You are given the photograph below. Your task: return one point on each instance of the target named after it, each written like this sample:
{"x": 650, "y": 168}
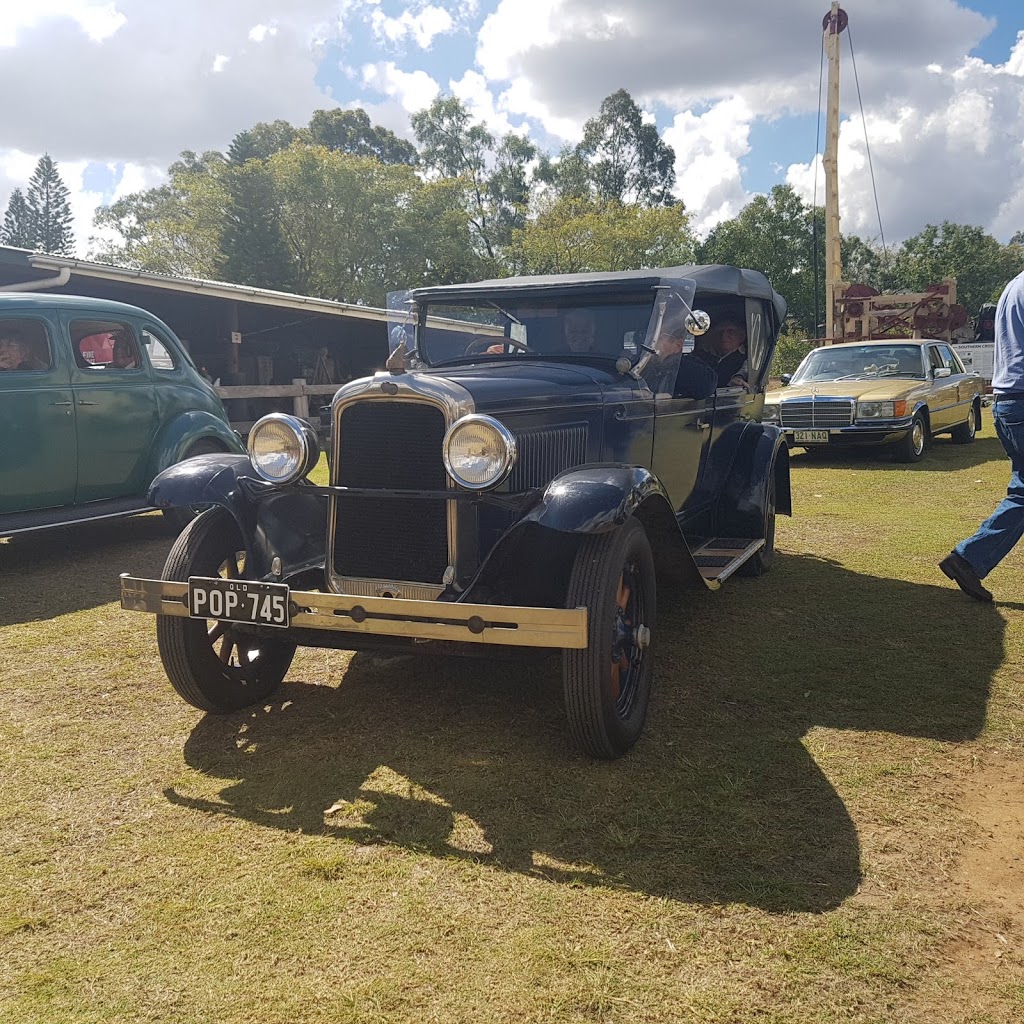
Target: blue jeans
{"x": 1001, "y": 531}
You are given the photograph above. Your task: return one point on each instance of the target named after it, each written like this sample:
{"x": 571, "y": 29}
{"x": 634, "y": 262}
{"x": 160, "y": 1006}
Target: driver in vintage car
{"x": 539, "y": 457}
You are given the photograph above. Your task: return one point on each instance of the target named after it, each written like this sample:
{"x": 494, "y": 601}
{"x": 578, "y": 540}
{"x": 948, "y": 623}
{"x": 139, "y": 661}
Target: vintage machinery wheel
{"x": 178, "y": 518}
{"x": 607, "y": 685}
{"x": 914, "y": 443}
{"x": 765, "y": 558}
{"x": 964, "y": 433}
{"x": 216, "y": 666}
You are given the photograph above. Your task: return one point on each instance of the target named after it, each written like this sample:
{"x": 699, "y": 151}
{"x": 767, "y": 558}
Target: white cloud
{"x": 472, "y": 89}
{"x": 98, "y": 19}
{"x": 423, "y": 25}
{"x": 414, "y": 90}
{"x": 260, "y": 32}
{"x": 709, "y": 148}
{"x": 949, "y": 151}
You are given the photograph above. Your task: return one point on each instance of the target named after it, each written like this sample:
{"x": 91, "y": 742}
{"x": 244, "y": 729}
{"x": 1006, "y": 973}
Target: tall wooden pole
{"x": 834, "y": 23}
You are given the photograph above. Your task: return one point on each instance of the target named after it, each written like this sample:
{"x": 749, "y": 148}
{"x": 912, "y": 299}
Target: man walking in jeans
{"x": 973, "y": 559}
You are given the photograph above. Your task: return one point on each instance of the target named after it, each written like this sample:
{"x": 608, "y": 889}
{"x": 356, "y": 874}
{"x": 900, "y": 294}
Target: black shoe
{"x": 962, "y": 573}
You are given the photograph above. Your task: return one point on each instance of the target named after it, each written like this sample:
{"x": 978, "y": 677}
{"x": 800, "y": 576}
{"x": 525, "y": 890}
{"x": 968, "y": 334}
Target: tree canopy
{"x": 345, "y": 208}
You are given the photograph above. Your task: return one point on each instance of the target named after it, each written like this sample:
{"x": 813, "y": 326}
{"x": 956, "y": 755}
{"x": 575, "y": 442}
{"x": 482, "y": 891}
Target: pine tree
{"x": 18, "y": 227}
{"x": 254, "y": 248}
{"x": 50, "y": 211}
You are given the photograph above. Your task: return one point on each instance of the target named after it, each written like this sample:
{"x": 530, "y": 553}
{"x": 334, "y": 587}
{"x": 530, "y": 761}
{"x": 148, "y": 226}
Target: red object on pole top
{"x": 835, "y": 26}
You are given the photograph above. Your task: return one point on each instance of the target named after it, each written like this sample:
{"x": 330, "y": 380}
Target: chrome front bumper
{"x": 383, "y": 616}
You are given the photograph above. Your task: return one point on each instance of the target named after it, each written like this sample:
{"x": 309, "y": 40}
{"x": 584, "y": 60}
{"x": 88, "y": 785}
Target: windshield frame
{"x": 636, "y": 312}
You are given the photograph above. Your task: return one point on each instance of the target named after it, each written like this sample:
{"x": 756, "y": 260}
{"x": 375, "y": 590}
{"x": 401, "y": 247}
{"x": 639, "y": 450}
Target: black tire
{"x": 965, "y": 433}
{"x": 178, "y": 518}
{"x": 607, "y": 685}
{"x": 763, "y": 560}
{"x": 912, "y": 446}
{"x": 244, "y": 669}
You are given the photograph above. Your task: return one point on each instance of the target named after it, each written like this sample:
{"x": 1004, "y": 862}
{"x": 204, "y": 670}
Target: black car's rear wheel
{"x": 216, "y": 666}
{"x": 607, "y": 684}
{"x": 763, "y": 559}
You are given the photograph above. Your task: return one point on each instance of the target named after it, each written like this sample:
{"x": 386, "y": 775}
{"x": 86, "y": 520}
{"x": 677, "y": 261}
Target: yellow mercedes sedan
{"x": 898, "y": 393}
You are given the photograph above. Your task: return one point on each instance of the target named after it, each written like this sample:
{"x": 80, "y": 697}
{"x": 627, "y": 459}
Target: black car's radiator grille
{"x": 544, "y": 454}
{"x": 807, "y": 412}
{"x": 391, "y": 445}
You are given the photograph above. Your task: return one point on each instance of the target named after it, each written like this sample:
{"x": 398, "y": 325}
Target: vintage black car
{"x": 539, "y": 454}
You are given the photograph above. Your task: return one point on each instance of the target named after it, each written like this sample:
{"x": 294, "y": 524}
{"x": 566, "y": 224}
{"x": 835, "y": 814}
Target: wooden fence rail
{"x": 298, "y": 391}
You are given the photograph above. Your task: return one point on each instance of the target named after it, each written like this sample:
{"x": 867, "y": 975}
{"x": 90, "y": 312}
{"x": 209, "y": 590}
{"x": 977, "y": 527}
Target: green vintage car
{"x": 96, "y": 398}
{"x": 897, "y": 394}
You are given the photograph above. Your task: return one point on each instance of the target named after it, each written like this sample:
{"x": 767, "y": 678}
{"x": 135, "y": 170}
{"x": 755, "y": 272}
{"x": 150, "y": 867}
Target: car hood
{"x": 529, "y": 385}
{"x": 864, "y": 390}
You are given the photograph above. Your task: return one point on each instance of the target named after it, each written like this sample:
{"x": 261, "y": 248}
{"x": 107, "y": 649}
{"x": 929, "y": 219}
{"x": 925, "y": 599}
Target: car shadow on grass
{"x": 943, "y": 454}
{"x": 69, "y": 569}
{"x": 721, "y": 801}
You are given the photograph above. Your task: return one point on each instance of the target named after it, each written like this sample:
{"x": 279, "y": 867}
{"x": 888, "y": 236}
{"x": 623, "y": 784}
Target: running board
{"x": 717, "y": 559}
{"x": 12, "y": 523}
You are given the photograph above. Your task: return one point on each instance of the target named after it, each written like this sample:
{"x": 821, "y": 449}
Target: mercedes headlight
{"x": 770, "y": 413}
{"x": 479, "y": 452}
{"x": 875, "y": 411}
{"x": 283, "y": 448}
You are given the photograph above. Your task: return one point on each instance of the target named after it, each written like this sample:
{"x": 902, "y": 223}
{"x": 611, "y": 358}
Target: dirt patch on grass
{"x": 982, "y": 978}
{"x": 993, "y": 868}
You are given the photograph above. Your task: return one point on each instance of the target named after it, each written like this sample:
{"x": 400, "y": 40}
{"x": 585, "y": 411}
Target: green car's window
{"x": 103, "y": 345}
{"x": 160, "y": 357}
{"x": 24, "y": 347}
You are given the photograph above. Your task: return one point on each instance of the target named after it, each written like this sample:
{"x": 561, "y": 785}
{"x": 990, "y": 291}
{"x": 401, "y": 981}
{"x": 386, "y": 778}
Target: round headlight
{"x": 282, "y": 448}
{"x": 479, "y": 452}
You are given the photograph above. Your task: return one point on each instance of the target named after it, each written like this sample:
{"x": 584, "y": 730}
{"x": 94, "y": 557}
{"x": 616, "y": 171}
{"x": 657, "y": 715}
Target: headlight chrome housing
{"x": 479, "y": 452}
{"x": 770, "y": 413}
{"x": 282, "y": 448}
{"x": 875, "y": 411}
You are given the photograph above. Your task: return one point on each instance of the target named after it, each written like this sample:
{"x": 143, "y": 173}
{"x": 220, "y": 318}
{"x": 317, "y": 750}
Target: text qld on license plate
{"x": 262, "y": 604}
{"x": 810, "y": 436}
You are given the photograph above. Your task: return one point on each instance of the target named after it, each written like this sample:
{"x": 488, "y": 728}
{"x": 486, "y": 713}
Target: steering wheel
{"x": 483, "y": 342}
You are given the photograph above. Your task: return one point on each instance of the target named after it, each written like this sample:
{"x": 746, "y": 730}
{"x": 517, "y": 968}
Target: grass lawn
{"x": 824, "y": 821}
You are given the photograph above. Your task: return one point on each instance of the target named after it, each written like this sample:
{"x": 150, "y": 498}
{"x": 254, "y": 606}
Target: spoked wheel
{"x": 216, "y": 666}
{"x": 607, "y": 684}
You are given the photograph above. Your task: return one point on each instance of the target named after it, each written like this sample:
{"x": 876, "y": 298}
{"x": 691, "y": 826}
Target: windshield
{"x": 566, "y": 328}
{"x": 857, "y": 362}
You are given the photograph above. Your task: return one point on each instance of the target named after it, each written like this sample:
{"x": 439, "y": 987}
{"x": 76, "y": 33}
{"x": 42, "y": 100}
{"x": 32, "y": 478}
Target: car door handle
{"x": 703, "y": 424}
{"x": 62, "y": 403}
{"x": 80, "y": 402}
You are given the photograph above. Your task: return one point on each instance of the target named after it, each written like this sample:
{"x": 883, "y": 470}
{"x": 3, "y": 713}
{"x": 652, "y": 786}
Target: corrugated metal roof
{"x": 197, "y": 286}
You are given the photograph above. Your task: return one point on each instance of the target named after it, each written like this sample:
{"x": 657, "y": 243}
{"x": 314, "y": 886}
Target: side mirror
{"x": 698, "y": 322}
{"x": 942, "y": 371}
{"x": 786, "y": 378}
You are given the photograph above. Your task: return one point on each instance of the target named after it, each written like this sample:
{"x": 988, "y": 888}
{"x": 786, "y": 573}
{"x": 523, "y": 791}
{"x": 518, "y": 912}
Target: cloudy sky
{"x": 115, "y": 89}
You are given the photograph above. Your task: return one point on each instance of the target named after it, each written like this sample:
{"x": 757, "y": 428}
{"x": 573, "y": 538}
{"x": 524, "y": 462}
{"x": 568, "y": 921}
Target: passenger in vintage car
{"x": 541, "y": 455}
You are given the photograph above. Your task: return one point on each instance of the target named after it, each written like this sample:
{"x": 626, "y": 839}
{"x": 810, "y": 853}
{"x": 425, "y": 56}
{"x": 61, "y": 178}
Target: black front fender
{"x": 595, "y": 499}
{"x": 599, "y": 498}
{"x": 289, "y": 523}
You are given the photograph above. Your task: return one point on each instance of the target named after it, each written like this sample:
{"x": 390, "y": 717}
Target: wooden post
{"x": 834, "y": 23}
{"x": 300, "y": 403}
{"x": 231, "y": 327}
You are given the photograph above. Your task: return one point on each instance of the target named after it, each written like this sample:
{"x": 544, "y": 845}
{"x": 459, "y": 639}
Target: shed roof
{"x": 24, "y": 267}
